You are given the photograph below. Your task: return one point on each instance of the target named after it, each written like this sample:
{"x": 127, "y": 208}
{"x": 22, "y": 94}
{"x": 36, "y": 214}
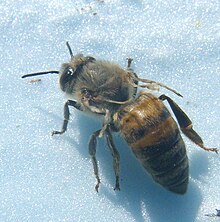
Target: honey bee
{"x": 109, "y": 91}
{"x": 154, "y": 137}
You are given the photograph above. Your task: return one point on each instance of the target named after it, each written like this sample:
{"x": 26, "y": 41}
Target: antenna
{"x": 70, "y": 50}
{"x": 40, "y": 73}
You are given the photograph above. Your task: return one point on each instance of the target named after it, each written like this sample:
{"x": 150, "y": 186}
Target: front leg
{"x": 67, "y": 115}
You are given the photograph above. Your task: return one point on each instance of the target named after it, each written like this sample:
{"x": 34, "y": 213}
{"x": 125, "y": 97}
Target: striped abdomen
{"x": 155, "y": 139}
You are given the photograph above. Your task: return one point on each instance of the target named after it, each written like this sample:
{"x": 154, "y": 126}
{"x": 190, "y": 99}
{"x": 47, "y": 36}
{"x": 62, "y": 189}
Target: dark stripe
{"x": 174, "y": 176}
{"x": 180, "y": 179}
{"x": 169, "y": 166}
{"x": 153, "y": 152}
{"x": 162, "y": 170}
{"x": 169, "y": 158}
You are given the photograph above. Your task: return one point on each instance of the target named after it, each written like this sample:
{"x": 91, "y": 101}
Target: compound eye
{"x": 70, "y": 71}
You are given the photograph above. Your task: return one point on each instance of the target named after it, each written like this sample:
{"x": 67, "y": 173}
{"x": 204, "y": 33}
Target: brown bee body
{"x": 107, "y": 90}
{"x": 154, "y": 137}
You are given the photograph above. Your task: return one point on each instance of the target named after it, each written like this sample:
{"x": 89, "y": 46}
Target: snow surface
{"x": 44, "y": 178}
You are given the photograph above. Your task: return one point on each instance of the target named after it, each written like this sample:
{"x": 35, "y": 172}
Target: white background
{"x": 44, "y": 178}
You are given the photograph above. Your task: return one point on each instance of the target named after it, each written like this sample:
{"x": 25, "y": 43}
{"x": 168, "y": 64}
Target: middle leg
{"x": 92, "y": 152}
{"x": 116, "y": 157}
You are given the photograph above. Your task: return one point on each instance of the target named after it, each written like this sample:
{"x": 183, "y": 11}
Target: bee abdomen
{"x": 167, "y": 163}
{"x": 155, "y": 139}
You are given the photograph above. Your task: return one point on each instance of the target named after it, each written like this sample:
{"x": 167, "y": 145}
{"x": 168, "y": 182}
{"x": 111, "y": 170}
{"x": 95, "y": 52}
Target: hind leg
{"x": 186, "y": 124}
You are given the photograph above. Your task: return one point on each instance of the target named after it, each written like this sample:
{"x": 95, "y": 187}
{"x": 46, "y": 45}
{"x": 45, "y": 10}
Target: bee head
{"x": 69, "y": 71}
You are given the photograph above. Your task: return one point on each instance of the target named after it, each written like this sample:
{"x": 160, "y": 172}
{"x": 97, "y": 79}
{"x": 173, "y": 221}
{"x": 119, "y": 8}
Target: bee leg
{"x": 67, "y": 115}
{"x": 92, "y": 152}
{"x": 115, "y": 155}
{"x": 107, "y": 120}
{"x": 134, "y": 76}
{"x": 129, "y": 64}
{"x": 186, "y": 124}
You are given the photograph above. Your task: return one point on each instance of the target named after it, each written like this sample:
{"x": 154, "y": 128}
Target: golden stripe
{"x": 162, "y": 131}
